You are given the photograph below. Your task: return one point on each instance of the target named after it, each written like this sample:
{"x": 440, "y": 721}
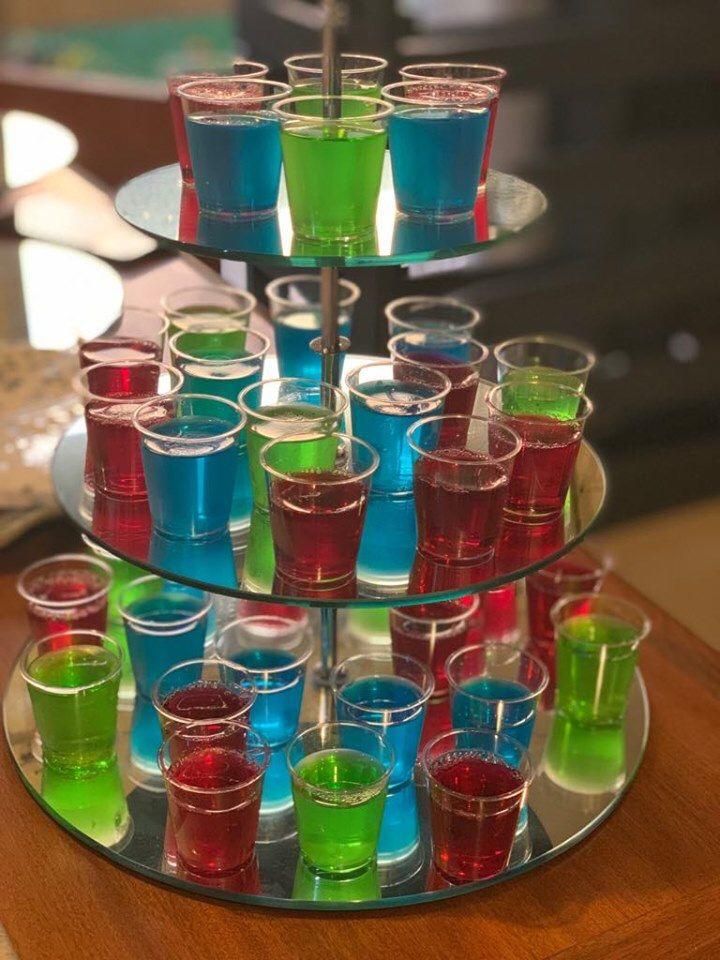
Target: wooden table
{"x": 646, "y": 885}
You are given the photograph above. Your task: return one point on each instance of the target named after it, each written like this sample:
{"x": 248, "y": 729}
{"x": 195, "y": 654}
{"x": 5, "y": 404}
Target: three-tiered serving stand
{"x": 159, "y": 205}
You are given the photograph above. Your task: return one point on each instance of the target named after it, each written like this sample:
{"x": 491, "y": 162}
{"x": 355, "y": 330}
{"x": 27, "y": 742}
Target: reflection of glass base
{"x": 395, "y": 872}
{"x": 585, "y": 759}
{"x": 521, "y": 848}
{"x": 431, "y": 216}
{"x": 397, "y": 855}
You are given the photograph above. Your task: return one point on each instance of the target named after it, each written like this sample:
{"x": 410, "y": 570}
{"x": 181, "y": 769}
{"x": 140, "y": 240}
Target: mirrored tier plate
{"x": 242, "y": 564}
{"x": 580, "y": 781}
{"x": 31, "y": 147}
{"x": 158, "y": 204}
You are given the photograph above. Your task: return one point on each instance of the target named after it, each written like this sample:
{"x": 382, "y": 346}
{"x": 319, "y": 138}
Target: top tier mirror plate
{"x": 158, "y": 204}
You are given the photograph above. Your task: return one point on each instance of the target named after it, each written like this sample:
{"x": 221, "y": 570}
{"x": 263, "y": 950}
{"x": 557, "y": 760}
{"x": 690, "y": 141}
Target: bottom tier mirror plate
{"x": 579, "y": 783}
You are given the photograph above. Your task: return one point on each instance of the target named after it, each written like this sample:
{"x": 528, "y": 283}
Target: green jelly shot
{"x": 73, "y": 681}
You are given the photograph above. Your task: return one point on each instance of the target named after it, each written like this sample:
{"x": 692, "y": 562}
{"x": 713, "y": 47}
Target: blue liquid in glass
{"x": 152, "y": 654}
{"x": 400, "y": 828}
{"x": 402, "y": 728}
{"x": 486, "y": 702}
{"x": 236, "y": 161}
{"x": 190, "y": 496}
{"x": 294, "y": 332}
{"x": 276, "y": 711}
{"x": 436, "y": 156}
{"x": 277, "y": 789}
{"x": 389, "y": 539}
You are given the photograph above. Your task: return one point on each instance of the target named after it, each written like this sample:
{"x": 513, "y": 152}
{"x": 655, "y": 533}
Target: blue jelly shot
{"x": 190, "y": 461}
{"x": 164, "y": 626}
{"x": 400, "y": 828}
{"x": 389, "y": 693}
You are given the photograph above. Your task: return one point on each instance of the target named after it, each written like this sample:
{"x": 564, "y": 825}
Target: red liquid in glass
{"x": 204, "y": 700}
{"x": 316, "y": 528}
{"x": 72, "y": 587}
{"x": 489, "y": 142}
{"x": 431, "y": 642}
{"x": 463, "y": 377}
{"x": 543, "y": 468}
{"x": 500, "y": 608}
{"x": 180, "y": 133}
{"x": 216, "y": 834}
{"x": 125, "y": 524}
{"x": 459, "y": 507}
{"x": 471, "y": 842}
{"x": 545, "y": 589}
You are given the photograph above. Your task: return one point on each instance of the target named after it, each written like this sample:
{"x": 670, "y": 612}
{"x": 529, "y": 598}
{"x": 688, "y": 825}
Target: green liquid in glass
{"x": 333, "y": 179}
{"x": 585, "y": 759}
{"x": 339, "y": 797}
{"x": 77, "y": 728}
{"x": 349, "y": 109}
{"x": 259, "y": 564}
{"x": 596, "y": 659}
{"x": 524, "y": 394}
{"x": 310, "y": 886}
{"x": 95, "y": 806}
{"x": 295, "y": 455}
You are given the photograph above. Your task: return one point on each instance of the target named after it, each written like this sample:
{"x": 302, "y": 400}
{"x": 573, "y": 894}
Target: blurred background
{"x": 611, "y": 107}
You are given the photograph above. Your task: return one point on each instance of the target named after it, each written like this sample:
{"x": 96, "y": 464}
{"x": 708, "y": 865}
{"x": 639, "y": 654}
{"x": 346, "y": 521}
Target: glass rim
{"x": 502, "y": 458}
{"x": 241, "y": 62}
{"x": 584, "y": 401}
{"x": 267, "y": 418}
{"x": 189, "y": 441}
{"x": 185, "y": 92}
{"x": 408, "y": 70}
{"x": 545, "y": 576}
{"x": 172, "y": 626}
{"x": 309, "y": 434}
{"x": 380, "y": 110}
{"x": 176, "y": 352}
{"x": 107, "y": 642}
{"x": 499, "y": 646}
{"x": 566, "y": 343}
{"x": 445, "y": 621}
{"x": 378, "y": 63}
{"x": 631, "y": 610}
{"x": 155, "y": 697}
{"x": 94, "y": 561}
{"x": 390, "y": 308}
{"x": 354, "y": 388}
{"x": 302, "y": 652}
{"x": 224, "y": 288}
{"x": 479, "y": 98}
{"x": 352, "y": 296}
{"x": 186, "y": 731}
{"x": 525, "y": 755}
{"x": 454, "y": 338}
{"x": 385, "y": 747}
{"x": 80, "y": 380}
{"x": 388, "y": 657}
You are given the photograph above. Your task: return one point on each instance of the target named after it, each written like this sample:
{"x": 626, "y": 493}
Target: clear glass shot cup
{"x": 221, "y": 363}
{"x": 74, "y": 693}
{"x": 333, "y": 151}
{"x": 597, "y": 639}
{"x": 64, "y": 593}
{"x": 556, "y": 359}
{"x": 431, "y": 313}
{"x": 360, "y": 74}
{"x": 190, "y": 447}
{"x": 234, "y": 142}
{"x": 207, "y": 307}
{"x": 340, "y": 773}
{"x": 296, "y": 314}
{"x": 433, "y": 124}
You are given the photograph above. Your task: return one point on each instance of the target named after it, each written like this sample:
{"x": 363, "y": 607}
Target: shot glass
{"x": 549, "y": 419}
{"x": 213, "y": 773}
{"x": 556, "y": 359}
{"x": 333, "y": 150}
{"x": 388, "y": 692}
{"x": 139, "y": 334}
{"x": 65, "y": 593}
{"x": 597, "y": 638}
{"x": 458, "y": 356}
{"x": 438, "y": 137}
{"x": 317, "y": 518}
{"x": 296, "y": 312}
{"x": 340, "y": 773}
{"x": 430, "y": 632}
{"x": 190, "y": 452}
{"x": 221, "y": 363}
{"x": 165, "y": 624}
{"x": 497, "y": 687}
{"x": 277, "y": 407}
{"x": 177, "y": 80}
{"x": 207, "y": 307}
{"x": 431, "y": 313}
{"x": 234, "y": 142}
{"x": 488, "y": 76}
{"x": 463, "y": 469}
{"x": 202, "y": 690}
{"x": 477, "y": 782}
{"x": 360, "y": 75}
{"x": 112, "y": 392}
{"x": 74, "y": 692}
